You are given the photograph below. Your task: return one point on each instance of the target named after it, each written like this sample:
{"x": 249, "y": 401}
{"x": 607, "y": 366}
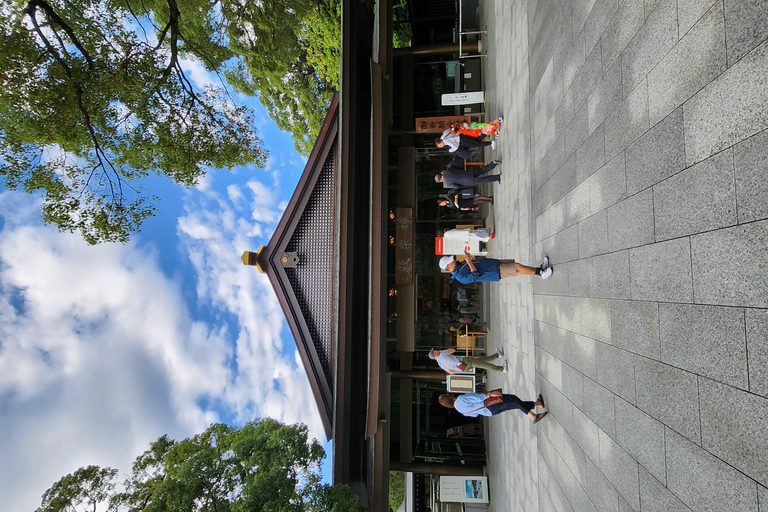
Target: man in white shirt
{"x": 454, "y": 364}
{"x": 460, "y": 144}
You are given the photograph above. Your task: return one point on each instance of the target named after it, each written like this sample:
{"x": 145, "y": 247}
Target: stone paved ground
{"x": 635, "y": 154}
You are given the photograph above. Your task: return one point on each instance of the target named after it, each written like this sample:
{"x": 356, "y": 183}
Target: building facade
{"x": 353, "y": 260}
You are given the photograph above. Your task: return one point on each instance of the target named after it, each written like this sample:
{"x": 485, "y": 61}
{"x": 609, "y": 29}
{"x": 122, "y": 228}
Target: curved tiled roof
{"x": 307, "y": 286}
{"x": 312, "y": 280}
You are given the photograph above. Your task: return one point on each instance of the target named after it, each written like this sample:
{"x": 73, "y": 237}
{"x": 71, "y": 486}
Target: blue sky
{"x": 103, "y": 349}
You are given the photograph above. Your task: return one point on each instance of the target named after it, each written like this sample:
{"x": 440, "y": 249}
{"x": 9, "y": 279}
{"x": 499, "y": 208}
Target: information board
{"x": 464, "y": 489}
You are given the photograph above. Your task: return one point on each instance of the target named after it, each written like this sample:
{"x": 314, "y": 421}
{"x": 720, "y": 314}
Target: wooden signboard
{"x": 460, "y": 383}
{"x": 404, "y": 246}
{"x": 437, "y": 124}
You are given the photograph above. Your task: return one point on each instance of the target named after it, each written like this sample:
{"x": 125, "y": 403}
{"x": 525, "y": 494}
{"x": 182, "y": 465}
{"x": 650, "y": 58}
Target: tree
{"x": 263, "y": 466}
{"x": 290, "y": 53}
{"x": 94, "y": 98}
{"x": 87, "y": 486}
{"x": 396, "y": 489}
{"x": 321, "y": 38}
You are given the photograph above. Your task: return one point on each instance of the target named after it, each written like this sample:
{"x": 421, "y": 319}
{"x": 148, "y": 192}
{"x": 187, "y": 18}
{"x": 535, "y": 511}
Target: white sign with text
{"x": 463, "y": 98}
{"x": 464, "y": 489}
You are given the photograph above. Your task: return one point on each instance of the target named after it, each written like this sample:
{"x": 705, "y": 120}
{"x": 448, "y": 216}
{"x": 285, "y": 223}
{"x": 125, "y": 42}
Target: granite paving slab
{"x": 635, "y": 155}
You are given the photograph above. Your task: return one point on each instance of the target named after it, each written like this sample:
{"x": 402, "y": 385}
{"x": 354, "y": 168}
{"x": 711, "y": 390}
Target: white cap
{"x": 444, "y": 261}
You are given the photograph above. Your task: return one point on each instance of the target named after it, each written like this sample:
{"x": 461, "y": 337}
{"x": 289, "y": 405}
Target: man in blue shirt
{"x": 490, "y": 269}
{"x": 472, "y": 405}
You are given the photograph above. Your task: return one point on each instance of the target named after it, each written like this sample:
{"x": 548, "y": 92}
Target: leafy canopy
{"x": 263, "y": 466}
{"x": 290, "y": 56}
{"x": 93, "y": 98}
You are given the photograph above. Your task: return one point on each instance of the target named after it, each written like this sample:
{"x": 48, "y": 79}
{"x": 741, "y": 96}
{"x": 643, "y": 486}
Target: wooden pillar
{"x": 443, "y": 469}
{"x": 437, "y": 49}
{"x": 438, "y": 375}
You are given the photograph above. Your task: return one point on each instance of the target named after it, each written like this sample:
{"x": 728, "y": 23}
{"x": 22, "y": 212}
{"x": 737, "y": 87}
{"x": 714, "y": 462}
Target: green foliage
{"x": 402, "y": 35}
{"x": 321, "y": 38}
{"x": 337, "y": 498}
{"x": 84, "y": 488}
{"x": 93, "y": 98}
{"x": 396, "y": 489}
{"x": 290, "y": 53}
{"x": 263, "y": 466}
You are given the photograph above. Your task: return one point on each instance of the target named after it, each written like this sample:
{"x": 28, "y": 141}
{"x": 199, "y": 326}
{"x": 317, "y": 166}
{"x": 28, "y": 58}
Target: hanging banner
{"x": 404, "y": 246}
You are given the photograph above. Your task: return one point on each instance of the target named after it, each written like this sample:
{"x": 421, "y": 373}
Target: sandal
{"x": 540, "y": 400}
{"x": 540, "y": 416}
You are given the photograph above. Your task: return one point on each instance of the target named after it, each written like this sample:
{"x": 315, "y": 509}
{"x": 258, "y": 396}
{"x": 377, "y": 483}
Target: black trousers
{"x": 509, "y": 402}
{"x": 466, "y": 143}
{"x": 476, "y": 170}
{"x": 472, "y": 142}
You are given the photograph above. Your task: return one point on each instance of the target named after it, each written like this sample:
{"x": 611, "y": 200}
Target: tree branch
{"x": 53, "y": 16}
{"x": 30, "y": 11}
{"x": 173, "y": 23}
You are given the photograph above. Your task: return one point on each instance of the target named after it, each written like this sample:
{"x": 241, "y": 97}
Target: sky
{"x": 105, "y": 348}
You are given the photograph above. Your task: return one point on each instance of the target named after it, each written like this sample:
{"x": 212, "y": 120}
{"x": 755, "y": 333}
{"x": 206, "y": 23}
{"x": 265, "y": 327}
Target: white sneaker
{"x": 493, "y": 144}
{"x": 546, "y": 272}
{"x": 504, "y": 366}
{"x": 545, "y": 263}
{"x": 500, "y": 352}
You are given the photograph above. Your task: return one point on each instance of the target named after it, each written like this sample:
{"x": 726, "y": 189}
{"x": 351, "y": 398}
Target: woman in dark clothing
{"x": 463, "y": 199}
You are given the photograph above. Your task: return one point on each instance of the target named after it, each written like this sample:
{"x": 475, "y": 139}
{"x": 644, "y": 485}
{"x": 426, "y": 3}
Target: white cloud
{"x": 198, "y": 74}
{"x": 263, "y": 206}
{"x": 265, "y": 371}
{"x": 235, "y": 195}
{"x": 98, "y": 357}
{"x": 271, "y": 163}
{"x": 100, "y": 354}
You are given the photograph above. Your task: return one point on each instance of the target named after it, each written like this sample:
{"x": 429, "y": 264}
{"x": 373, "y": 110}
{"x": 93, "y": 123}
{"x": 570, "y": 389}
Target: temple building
{"x": 353, "y": 259}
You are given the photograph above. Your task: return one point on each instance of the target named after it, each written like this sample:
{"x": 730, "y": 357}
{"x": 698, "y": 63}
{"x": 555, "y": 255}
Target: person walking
{"x": 492, "y": 403}
{"x": 463, "y": 199}
{"x": 455, "y": 364}
{"x": 477, "y": 129}
{"x": 490, "y": 269}
{"x": 461, "y": 145}
{"x": 455, "y": 176}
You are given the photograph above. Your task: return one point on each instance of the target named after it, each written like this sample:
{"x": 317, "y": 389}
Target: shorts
{"x": 507, "y": 268}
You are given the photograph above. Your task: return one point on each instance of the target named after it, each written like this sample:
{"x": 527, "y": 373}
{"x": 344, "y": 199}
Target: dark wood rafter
{"x": 378, "y": 274}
